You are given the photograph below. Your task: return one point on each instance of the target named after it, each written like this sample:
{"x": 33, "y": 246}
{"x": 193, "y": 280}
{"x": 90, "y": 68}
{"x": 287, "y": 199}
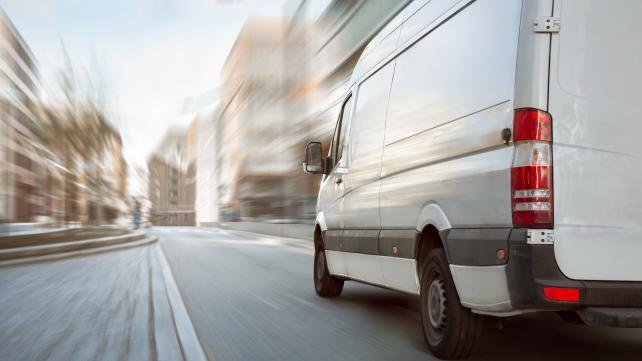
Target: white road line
{"x": 193, "y": 351}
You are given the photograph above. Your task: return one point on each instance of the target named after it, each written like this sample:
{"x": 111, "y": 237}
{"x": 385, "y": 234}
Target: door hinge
{"x": 540, "y": 236}
{"x": 547, "y": 24}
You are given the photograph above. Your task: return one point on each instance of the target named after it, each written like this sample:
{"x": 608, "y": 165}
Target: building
{"x": 171, "y": 186}
{"x": 203, "y": 149}
{"x": 59, "y": 162}
{"x": 283, "y": 84}
{"x": 336, "y": 41}
{"x": 253, "y": 157}
{"x": 22, "y": 175}
{"x": 112, "y": 195}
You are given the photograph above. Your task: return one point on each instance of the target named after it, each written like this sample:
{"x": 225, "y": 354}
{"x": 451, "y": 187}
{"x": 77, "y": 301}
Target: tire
{"x": 450, "y": 330}
{"x": 325, "y": 284}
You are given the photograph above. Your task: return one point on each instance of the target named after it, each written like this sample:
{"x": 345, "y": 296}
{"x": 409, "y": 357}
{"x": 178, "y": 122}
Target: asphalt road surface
{"x": 249, "y": 297}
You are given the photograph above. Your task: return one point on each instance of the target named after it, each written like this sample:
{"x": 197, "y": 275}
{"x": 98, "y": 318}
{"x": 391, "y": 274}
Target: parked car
{"x": 486, "y": 159}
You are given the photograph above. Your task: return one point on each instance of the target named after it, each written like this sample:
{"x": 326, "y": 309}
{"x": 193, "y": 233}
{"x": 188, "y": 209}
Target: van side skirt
{"x": 476, "y": 247}
{"x": 399, "y": 243}
{"x": 463, "y": 246}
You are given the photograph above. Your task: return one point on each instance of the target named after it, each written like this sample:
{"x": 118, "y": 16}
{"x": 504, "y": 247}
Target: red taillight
{"x": 532, "y": 198}
{"x": 563, "y": 294}
{"x": 532, "y": 170}
{"x": 532, "y": 124}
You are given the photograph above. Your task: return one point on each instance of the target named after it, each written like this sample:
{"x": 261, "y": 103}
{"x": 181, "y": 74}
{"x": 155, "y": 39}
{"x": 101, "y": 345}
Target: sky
{"x": 151, "y": 54}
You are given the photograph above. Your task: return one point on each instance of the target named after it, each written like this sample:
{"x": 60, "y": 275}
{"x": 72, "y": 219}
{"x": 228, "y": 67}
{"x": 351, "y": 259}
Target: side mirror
{"x": 314, "y": 163}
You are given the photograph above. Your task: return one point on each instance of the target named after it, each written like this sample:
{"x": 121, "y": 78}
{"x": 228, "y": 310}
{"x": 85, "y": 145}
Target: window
{"x": 367, "y": 126}
{"x": 339, "y": 137}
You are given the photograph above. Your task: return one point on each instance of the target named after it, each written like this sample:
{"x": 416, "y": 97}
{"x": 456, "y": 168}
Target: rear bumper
{"x": 532, "y": 267}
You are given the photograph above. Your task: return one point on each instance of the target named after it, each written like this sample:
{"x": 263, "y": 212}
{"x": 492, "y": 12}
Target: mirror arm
{"x": 326, "y": 165}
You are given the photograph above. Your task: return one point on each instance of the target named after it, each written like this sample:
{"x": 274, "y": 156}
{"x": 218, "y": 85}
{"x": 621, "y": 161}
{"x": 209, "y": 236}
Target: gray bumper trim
{"x": 613, "y": 317}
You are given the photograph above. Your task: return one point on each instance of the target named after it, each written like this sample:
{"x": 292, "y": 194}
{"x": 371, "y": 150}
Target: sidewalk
{"x": 102, "y": 307}
{"x": 300, "y": 243}
{"x": 289, "y": 230}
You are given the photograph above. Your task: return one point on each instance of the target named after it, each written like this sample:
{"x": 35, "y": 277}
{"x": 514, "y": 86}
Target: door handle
{"x": 339, "y": 180}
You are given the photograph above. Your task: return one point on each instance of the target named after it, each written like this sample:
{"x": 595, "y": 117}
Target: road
{"x": 249, "y": 297}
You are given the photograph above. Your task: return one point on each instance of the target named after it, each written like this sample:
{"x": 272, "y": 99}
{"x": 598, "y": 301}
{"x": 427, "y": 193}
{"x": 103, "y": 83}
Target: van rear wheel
{"x": 449, "y": 329}
{"x": 325, "y": 284}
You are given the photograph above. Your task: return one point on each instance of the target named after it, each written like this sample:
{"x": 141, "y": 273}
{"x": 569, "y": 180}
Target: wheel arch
{"x": 427, "y": 240}
{"x": 318, "y": 238}
{"x": 321, "y": 221}
{"x": 319, "y": 229}
{"x": 432, "y": 224}
{"x": 432, "y": 214}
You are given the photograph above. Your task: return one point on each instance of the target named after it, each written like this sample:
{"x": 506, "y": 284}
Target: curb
{"x": 28, "y": 233}
{"x": 33, "y": 251}
{"x": 187, "y": 337}
{"x": 54, "y": 232}
{"x": 35, "y": 254}
{"x": 58, "y": 236}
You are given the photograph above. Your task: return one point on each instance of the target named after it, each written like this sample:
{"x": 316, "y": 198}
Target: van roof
{"x": 372, "y": 54}
{"x": 385, "y": 42}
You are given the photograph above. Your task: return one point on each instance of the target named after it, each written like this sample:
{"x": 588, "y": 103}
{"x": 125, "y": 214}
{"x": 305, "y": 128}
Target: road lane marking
{"x": 192, "y": 349}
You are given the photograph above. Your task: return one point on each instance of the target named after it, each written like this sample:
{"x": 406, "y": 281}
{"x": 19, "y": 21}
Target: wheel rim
{"x": 437, "y": 305}
{"x": 320, "y": 264}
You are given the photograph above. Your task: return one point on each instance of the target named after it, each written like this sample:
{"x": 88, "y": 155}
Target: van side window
{"x": 339, "y": 133}
{"x": 367, "y": 127}
{"x": 333, "y": 141}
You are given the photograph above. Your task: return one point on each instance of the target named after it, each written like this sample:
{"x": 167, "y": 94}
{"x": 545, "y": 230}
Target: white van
{"x": 487, "y": 159}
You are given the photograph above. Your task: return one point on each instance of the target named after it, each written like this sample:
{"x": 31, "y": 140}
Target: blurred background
{"x": 173, "y": 113}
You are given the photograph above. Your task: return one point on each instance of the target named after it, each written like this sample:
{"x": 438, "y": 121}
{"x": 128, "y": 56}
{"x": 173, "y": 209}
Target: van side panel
{"x": 531, "y": 78}
{"x": 467, "y": 174}
{"x": 451, "y": 97}
{"x": 595, "y": 89}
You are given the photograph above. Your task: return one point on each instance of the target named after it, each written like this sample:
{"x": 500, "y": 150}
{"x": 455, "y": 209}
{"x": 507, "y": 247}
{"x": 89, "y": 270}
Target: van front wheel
{"x": 449, "y": 329}
{"x": 325, "y": 284}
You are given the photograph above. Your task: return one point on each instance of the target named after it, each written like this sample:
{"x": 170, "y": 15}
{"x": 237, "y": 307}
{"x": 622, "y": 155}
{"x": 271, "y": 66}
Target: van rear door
{"x": 595, "y": 98}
